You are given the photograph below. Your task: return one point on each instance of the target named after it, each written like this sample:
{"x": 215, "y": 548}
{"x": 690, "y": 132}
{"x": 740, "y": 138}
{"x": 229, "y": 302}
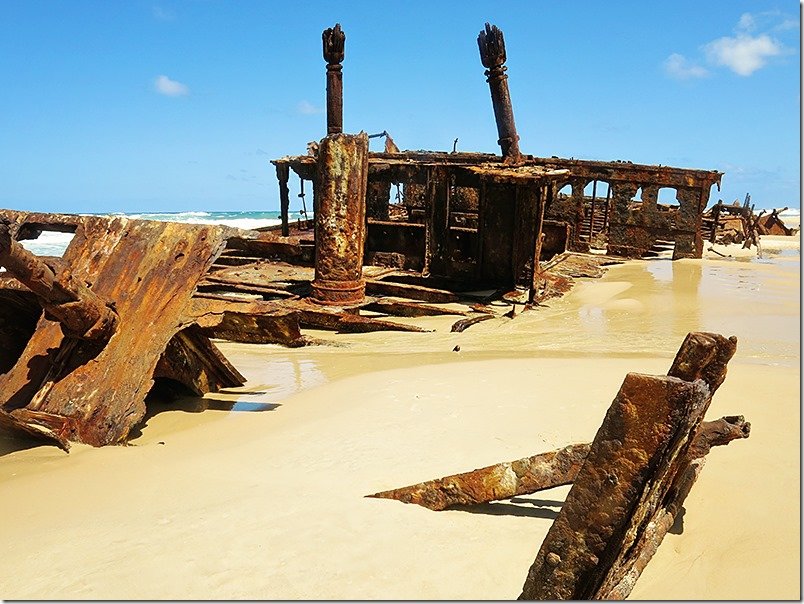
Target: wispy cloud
{"x": 788, "y": 24}
{"x": 747, "y": 22}
{"x": 307, "y": 108}
{"x": 164, "y": 85}
{"x": 161, "y": 13}
{"x": 678, "y": 67}
{"x": 743, "y": 54}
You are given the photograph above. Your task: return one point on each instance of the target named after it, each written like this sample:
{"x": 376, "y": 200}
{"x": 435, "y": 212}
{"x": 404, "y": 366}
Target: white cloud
{"x": 743, "y": 54}
{"x": 164, "y": 85}
{"x": 307, "y": 108}
{"x": 678, "y": 67}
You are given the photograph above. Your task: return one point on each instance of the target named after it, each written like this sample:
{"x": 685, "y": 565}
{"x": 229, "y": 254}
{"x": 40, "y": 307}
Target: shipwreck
{"x": 85, "y": 336}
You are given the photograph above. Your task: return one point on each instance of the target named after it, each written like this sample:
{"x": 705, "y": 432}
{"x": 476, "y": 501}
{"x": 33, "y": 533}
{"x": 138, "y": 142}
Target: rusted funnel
{"x": 340, "y": 219}
{"x": 492, "y": 55}
{"x": 334, "y": 40}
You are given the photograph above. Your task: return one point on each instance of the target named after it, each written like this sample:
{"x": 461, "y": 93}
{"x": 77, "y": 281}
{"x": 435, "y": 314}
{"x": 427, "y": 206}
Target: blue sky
{"x": 168, "y": 105}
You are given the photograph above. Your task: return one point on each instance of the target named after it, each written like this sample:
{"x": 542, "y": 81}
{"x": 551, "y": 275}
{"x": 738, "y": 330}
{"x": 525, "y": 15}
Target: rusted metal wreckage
{"x": 465, "y": 222}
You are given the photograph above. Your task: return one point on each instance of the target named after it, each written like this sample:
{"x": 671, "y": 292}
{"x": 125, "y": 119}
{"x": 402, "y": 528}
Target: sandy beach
{"x": 265, "y": 499}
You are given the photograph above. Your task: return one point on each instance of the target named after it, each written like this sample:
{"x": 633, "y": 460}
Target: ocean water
{"x": 54, "y": 244}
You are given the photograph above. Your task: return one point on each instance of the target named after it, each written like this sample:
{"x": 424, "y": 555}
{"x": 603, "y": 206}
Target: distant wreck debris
{"x": 628, "y": 485}
{"x": 736, "y": 223}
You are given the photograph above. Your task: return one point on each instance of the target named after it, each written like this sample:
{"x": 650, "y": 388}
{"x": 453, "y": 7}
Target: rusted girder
{"x": 340, "y": 219}
{"x": 539, "y": 472}
{"x": 80, "y": 312}
{"x": 629, "y": 479}
{"x": 334, "y": 40}
{"x": 492, "y": 55}
{"x": 500, "y": 481}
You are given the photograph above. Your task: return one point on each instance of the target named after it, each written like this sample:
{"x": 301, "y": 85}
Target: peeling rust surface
{"x": 643, "y": 432}
{"x": 630, "y": 474}
{"x": 340, "y": 219}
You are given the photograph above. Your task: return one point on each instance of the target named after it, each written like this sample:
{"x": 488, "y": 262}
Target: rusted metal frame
{"x": 437, "y": 224}
{"x": 80, "y": 312}
{"x": 439, "y": 197}
{"x": 340, "y": 219}
{"x": 333, "y": 42}
{"x": 701, "y": 356}
{"x": 545, "y": 193}
{"x": 492, "y": 54}
{"x": 577, "y": 203}
{"x": 283, "y": 175}
{"x": 607, "y": 208}
{"x": 687, "y": 232}
{"x": 592, "y": 209}
{"x": 525, "y": 226}
{"x": 482, "y": 200}
{"x": 663, "y": 176}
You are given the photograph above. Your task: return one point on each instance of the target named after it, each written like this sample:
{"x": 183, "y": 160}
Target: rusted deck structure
{"x": 475, "y": 216}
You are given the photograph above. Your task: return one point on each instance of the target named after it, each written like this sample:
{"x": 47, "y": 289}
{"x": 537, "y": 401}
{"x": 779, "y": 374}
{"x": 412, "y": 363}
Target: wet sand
{"x": 266, "y": 500}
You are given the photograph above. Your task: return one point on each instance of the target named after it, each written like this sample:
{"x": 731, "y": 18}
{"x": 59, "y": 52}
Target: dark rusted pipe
{"x": 334, "y": 40}
{"x": 340, "y": 219}
{"x": 81, "y": 313}
{"x": 283, "y": 175}
{"x": 492, "y": 55}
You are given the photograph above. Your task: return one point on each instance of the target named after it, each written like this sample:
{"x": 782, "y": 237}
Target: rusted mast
{"x": 340, "y": 194}
{"x": 334, "y": 40}
{"x": 81, "y": 313}
{"x": 492, "y": 55}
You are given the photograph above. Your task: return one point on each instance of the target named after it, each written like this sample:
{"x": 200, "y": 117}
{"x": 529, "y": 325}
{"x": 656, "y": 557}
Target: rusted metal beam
{"x": 402, "y": 308}
{"x": 463, "y": 324}
{"x": 414, "y": 292}
{"x": 340, "y": 219}
{"x": 81, "y": 313}
{"x": 628, "y": 475}
{"x": 491, "y": 43}
{"x": 500, "y": 481}
{"x": 334, "y": 40}
{"x": 539, "y": 472}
